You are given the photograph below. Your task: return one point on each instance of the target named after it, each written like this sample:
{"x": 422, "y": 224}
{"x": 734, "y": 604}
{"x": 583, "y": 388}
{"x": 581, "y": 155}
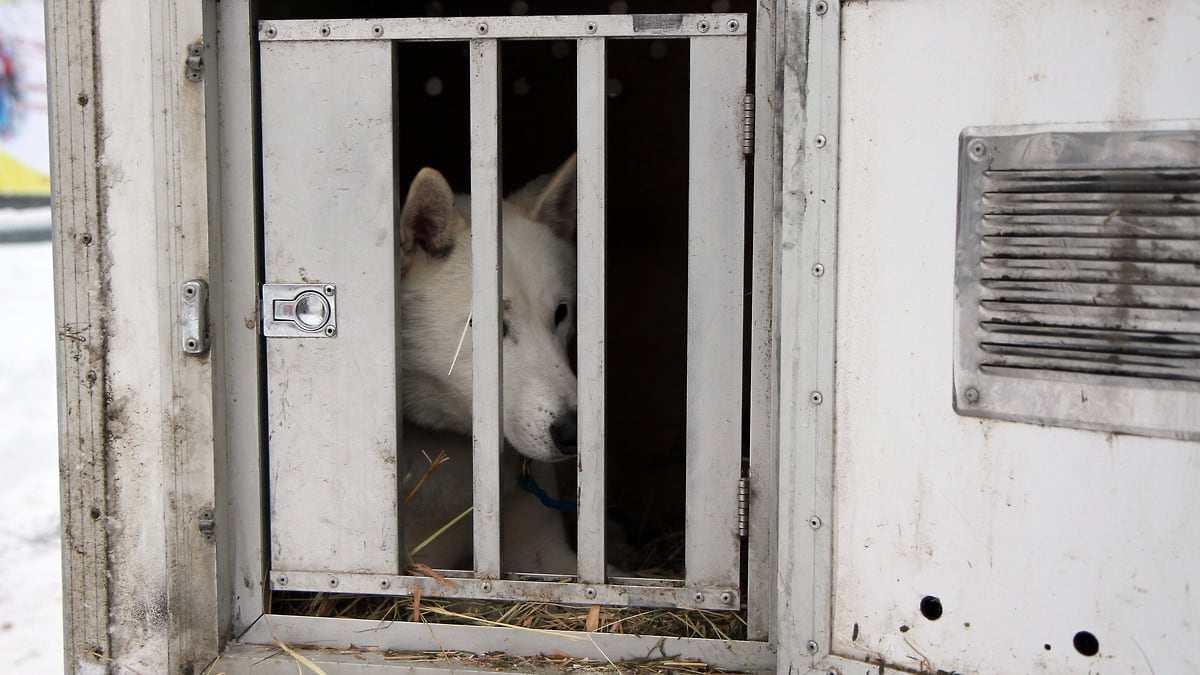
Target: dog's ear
{"x": 428, "y": 217}
{"x": 556, "y": 205}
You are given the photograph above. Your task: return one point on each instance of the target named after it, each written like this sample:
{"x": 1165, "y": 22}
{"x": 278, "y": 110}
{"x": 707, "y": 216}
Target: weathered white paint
{"x": 1026, "y": 534}
{"x": 149, "y": 233}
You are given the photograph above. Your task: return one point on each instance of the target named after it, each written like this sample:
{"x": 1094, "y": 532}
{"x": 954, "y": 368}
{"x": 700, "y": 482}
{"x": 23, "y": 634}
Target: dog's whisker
{"x": 461, "y": 338}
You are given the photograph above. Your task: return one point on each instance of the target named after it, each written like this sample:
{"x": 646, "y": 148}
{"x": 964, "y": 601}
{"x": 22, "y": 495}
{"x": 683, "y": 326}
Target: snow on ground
{"x": 30, "y": 576}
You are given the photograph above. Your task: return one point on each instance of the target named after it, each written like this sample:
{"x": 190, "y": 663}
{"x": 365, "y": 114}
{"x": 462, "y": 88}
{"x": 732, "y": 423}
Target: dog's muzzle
{"x": 563, "y": 431}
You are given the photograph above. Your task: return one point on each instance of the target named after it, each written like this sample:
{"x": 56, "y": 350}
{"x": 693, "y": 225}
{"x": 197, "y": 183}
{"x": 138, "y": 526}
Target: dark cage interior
{"x": 646, "y": 209}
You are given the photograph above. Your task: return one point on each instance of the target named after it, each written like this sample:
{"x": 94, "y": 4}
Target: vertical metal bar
{"x": 334, "y": 495}
{"x": 716, "y": 212}
{"x": 807, "y": 318}
{"x": 764, "y": 340}
{"x": 486, "y": 242}
{"x": 591, "y": 251}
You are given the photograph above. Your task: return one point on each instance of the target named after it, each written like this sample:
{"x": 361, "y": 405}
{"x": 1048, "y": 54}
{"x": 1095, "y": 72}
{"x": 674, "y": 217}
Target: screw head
{"x": 590, "y": 593}
{"x": 591, "y": 27}
{"x": 281, "y": 580}
{"x": 330, "y": 331}
{"x": 698, "y": 597}
{"x": 377, "y": 30}
{"x": 818, "y": 270}
{"x": 333, "y": 582}
{"x": 703, "y": 26}
{"x": 482, "y": 29}
{"x": 271, "y": 31}
{"x": 726, "y": 598}
{"x": 972, "y": 395}
{"x": 821, "y": 7}
{"x": 814, "y": 522}
{"x": 325, "y": 31}
{"x": 816, "y": 398}
{"x": 733, "y": 25}
{"x": 819, "y": 141}
{"x": 385, "y": 584}
{"x": 812, "y": 646}
{"x": 486, "y": 587}
{"x": 330, "y": 290}
{"x": 977, "y": 149}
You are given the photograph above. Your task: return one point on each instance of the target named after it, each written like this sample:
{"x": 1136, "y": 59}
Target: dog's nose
{"x": 563, "y": 431}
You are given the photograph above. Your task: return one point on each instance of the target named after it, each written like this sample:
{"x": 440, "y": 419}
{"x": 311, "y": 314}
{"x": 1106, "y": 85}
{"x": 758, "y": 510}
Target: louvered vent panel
{"x": 1078, "y": 284}
{"x": 1092, "y": 272}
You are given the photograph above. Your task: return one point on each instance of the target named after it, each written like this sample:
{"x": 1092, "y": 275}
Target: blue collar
{"x": 527, "y": 483}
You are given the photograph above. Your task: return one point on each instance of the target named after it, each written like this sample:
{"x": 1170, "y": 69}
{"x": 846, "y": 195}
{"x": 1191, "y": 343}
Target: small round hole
{"x": 1046, "y": 646}
{"x": 1086, "y": 643}
{"x": 931, "y": 608}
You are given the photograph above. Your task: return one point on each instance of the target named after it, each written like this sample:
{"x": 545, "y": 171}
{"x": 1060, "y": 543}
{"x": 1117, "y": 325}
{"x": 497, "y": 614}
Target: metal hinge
{"x": 194, "y": 64}
{"x": 748, "y": 124}
{"x": 207, "y": 524}
{"x": 743, "y": 508}
{"x": 193, "y": 317}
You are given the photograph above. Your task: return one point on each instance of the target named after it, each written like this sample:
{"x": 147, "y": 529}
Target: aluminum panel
{"x": 716, "y": 252}
{"x": 328, "y": 202}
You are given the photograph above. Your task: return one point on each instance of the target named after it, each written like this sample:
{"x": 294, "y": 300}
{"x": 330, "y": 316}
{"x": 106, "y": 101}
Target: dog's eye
{"x": 560, "y": 313}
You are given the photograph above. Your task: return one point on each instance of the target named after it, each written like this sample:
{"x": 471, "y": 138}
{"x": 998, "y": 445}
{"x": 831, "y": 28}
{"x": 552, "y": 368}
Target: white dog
{"x": 540, "y": 395}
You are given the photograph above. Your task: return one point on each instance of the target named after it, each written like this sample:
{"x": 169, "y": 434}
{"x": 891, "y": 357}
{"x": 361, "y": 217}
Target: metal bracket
{"x": 743, "y": 508}
{"x": 193, "y": 316}
{"x": 194, "y": 63}
{"x": 207, "y": 524}
{"x": 748, "y": 124}
{"x": 299, "y": 310}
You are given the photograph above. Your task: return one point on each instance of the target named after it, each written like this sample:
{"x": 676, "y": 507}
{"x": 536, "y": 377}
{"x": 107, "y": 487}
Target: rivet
{"x": 698, "y": 597}
{"x": 486, "y": 587}
{"x": 978, "y": 149}
{"x": 330, "y": 290}
{"x": 703, "y": 26}
{"x": 82, "y": 100}
{"x": 726, "y": 598}
{"x": 733, "y": 25}
{"x": 90, "y": 377}
{"x": 812, "y": 646}
{"x": 972, "y": 395}
{"x": 330, "y": 331}
{"x": 85, "y": 239}
{"x": 385, "y": 584}
{"x": 821, "y": 7}
{"x": 333, "y": 582}
{"x": 814, "y": 522}
{"x": 833, "y": 670}
{"x": 591, "y": 27}
{"x": 271, "y": 31}
{"x": 325, "y": 31}
{"x": 281, "y": 580}
{"x": 819, "y": 141}
{"x": 818, "y": 270}
{"x": 482, "y": 29}
{"x": 377, "y": 30}
{"x": 590, "y": 593}
{"x": 191, "y": 345}
{"x": 816, "y": 398}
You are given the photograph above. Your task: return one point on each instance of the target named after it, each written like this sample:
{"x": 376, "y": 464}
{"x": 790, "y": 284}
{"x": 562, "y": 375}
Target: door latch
{"x": 193, "y": 316}
{"x": 299, "y": 310}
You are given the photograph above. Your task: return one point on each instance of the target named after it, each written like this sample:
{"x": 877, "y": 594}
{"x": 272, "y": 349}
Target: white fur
{"x": 539, "y": 387}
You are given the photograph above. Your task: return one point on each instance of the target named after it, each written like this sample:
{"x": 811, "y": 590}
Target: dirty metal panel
{"x": 506, "y": 27}
{"x": 328, "y": 202}
{"x": 716, "y": 253}
{"x": 1078, "y": 281}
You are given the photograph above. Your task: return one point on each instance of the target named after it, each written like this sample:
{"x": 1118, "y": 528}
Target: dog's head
{"x": 538, "y": 310}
